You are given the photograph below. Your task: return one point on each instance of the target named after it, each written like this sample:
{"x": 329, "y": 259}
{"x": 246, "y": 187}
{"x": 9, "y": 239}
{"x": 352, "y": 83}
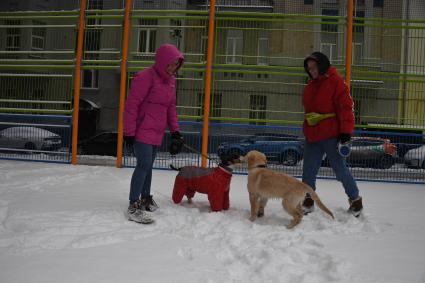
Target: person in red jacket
{"x": 327, "y": 99}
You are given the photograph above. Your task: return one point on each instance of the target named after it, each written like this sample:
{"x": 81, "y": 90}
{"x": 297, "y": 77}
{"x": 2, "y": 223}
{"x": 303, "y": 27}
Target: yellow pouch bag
{"x": 314, "y": 118}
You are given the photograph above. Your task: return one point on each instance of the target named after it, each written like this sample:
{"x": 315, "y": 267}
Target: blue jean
{"x": 142, "y": 175}
{"x": 313, "y": 154}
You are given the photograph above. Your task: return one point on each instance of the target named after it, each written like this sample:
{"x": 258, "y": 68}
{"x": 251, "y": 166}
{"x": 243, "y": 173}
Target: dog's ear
{"x": 246, "y": 158}
{"x": 235, "y": 156}
{"x": 224, "y": 158}
{"x": 264, "y": 157}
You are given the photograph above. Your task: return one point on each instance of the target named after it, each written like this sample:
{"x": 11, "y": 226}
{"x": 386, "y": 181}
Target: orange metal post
{"x": 123, "y": 81}
{"x": 208, "y": 81}
{"x": 349, "y": 44}
{"x": 77, "y": 81}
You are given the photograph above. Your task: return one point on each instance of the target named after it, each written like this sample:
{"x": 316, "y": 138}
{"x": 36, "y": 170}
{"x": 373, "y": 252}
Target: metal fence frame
{"x": 101, "y": 47}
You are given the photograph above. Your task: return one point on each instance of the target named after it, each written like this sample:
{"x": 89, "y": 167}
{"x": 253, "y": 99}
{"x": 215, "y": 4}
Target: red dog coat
{"x": 215, "y": 182}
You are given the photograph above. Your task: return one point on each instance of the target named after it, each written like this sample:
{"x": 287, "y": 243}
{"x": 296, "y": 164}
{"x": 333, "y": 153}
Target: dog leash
{"x": 198, "y": 152}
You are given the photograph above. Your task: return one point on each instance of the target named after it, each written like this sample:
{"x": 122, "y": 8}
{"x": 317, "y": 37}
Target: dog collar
{"x": 261, "y": 166}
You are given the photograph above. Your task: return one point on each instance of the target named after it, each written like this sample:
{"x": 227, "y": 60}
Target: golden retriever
{"x": 264, "y": 183}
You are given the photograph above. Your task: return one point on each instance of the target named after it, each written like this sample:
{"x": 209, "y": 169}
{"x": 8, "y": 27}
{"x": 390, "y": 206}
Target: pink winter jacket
{"x": 151, "y": 104}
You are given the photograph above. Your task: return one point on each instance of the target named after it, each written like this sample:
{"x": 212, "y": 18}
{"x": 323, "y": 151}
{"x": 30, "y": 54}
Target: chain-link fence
{"x": 258, "y": 76}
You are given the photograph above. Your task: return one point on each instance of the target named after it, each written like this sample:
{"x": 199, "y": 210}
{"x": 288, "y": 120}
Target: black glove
{"x": 176, "y": 135}
{"x": 344, "y": 138}
{"x": 129, "y": 141}
{"x": 176, "y": 143}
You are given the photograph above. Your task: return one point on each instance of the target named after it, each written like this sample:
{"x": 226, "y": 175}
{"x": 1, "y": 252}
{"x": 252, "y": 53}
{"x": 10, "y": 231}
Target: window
{"x": 38, "y": 36}
{"x": 258, "y": 107}
{"x": 330, "y": 27}
{"x": 263, "y": 48}
{"x": 359, "y": 14}
{"x": 95, "y": 4}
{"x": 176, "y": 31}
{"x": 147, "y": 36}
{"x": 234, "y": 47}
{"x": 308, "y": 2}
{"x": 378, "y": 3}
{"x": 93, "y": 32}
{"x": 216, "y": 105}
{"x": 357, "y": 53}
{"x": 197, "y": 2}
{"x": 90, "y": 79}
{"x": 13, "y": 36}
{"x": 93, "y": 27}
{"x": 204, "y": 48}
{"x": 329, "y": 49}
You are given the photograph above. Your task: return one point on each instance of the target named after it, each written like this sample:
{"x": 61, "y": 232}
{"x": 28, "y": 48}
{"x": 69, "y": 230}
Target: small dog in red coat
{"x": 214, "y": 182}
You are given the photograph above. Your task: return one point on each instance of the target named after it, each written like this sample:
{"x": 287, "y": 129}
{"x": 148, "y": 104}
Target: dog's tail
{"x": 175, "y": 168}
{"x": 316, "y": 198}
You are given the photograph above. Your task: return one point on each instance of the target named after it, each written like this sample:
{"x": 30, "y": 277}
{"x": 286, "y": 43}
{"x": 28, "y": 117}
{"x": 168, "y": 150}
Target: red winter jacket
{"x": 328, "y": 94}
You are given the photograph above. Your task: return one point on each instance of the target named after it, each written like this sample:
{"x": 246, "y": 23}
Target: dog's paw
{"x": 260, "y": 214}
{"x": 252, "y": 218}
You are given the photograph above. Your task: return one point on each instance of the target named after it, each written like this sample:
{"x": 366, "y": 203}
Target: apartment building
{"x": 258, "y": 59}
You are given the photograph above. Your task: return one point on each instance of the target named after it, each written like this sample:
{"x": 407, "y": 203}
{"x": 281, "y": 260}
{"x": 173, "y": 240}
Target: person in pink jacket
{"x": 149, "y": 109}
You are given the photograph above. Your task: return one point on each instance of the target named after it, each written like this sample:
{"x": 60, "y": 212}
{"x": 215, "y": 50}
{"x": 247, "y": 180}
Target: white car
{"x": 30, "y": 138}
{"x": 415, "y": 157}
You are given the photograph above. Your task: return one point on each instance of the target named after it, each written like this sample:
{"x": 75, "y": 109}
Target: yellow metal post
{"x": 77, "y": 81}
{"x": 208, "y": 81}
{"x": 123, "y": 81}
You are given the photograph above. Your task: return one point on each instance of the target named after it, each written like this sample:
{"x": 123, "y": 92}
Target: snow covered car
{"x": 415, "y": 158}
{"x": 283, "y": 149}
{"x": 30, "y": 138}
{"x": 370, "y": 152}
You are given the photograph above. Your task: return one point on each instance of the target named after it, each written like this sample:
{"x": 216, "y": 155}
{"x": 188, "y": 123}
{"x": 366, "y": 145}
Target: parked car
{"x": 285, "y": 150}
{"x": 31, "y": 138}
{"x": 370, "y": 152}
{"x": 415, "y": 158}
{"x": 104, "y": 143}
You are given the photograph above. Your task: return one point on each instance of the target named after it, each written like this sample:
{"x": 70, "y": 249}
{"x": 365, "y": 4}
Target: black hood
{"x": 322, "y": 62}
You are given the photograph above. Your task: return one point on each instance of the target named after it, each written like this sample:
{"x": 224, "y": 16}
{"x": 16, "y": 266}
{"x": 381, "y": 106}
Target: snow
{"x": 64, "y": 223}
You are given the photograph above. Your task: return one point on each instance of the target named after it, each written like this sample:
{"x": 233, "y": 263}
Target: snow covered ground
{"x": 63, "y": 223}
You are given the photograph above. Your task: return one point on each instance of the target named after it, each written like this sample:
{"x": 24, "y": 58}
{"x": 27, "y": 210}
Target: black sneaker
{"x": 148, "y": 204}
{"x": 356, "y": 206}
{"x": 308, "y": 205}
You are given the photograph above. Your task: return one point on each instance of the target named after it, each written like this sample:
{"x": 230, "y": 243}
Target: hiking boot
{"x": 308, "y": 205}
{"x": 148, "y": 204}
{"x": 356, "y": 206}
{"x": 135, "y": 214}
